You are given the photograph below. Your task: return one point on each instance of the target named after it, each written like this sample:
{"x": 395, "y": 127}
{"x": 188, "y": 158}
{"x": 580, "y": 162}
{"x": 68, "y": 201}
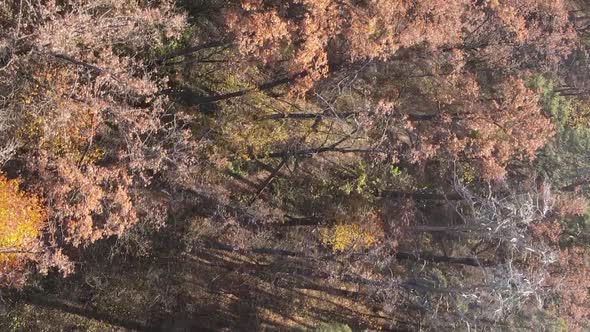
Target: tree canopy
{"x": 327, "y": 164}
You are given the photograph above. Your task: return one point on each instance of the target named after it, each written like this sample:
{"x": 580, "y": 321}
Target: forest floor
{"x": 210, "y": 287}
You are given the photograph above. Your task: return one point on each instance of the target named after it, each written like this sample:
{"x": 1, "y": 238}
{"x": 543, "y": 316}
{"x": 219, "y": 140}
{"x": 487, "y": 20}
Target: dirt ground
{"x": 210, "y": 287}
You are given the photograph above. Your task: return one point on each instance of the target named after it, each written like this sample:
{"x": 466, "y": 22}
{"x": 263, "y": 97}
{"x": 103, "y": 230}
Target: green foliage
{"x": 394, "y": 171}
{"x": 565, "y": 158}
{"x": 559, "y": 108}
{"x": 238, "y": 167}
{"x": 576, "y": 231}
{"x": 358, "y": 183}
{"x": 539, "y": 320}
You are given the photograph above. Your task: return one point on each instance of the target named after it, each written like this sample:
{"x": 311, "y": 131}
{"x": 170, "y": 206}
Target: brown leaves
{"x": 90, "y": 205}
{"x": 77, "y": 31}
{"x": 489, "y": 128}
{"x": 571, "y": 283}
{"x": 375, "y": 30}
{"x": 90, "y": 112}
{"x": 568, "y": 205}
{"x": 514, "y": 128}
{"x": 303, "y": 36}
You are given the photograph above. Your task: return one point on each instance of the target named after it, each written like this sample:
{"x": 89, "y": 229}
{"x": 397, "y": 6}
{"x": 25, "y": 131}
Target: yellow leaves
{"x": 32, "y": 129}
{"x": 353, "y": 235}
{"x": 21, "y": 220}
{"x": 467, "y": 173}
{"x": 94, "y": 155}
{"x": 347, "y": 236}
{"x": 581, "y": 117}
{"x": 353, "y": 232}
{"x": 27, "y": 100}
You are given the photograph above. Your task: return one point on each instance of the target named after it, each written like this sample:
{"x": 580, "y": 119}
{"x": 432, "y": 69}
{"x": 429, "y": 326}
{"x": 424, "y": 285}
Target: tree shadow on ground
{"x": 211, "y": 289}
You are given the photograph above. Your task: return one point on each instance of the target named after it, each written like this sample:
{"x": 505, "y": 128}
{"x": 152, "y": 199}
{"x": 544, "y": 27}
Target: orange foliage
{"x": 571, "y": 282}
{"x": 65, "y": 125}
{"x": 22, "y": 219}
{"x": 375, "y": 29}
{"x": 490, "y": 129}
{"x": 308, "y": 34}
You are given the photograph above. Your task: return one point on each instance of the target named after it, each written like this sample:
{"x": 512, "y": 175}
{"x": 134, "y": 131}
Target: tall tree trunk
{"x": 420, "y": 196}
{"x": 428, "y": 257}
{"x": 312, "y": 151}
{"x": 189, "y": 50}
{"x": 190, "y": 98}
{"x": 576, "y": 184}
{"x": 445, "y": 229}
{"x": 306, "y": 116}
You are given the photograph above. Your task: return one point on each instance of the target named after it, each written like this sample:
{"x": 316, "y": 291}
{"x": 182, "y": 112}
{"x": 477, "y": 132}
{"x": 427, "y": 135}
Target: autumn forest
{"x": 294, "y": 165}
